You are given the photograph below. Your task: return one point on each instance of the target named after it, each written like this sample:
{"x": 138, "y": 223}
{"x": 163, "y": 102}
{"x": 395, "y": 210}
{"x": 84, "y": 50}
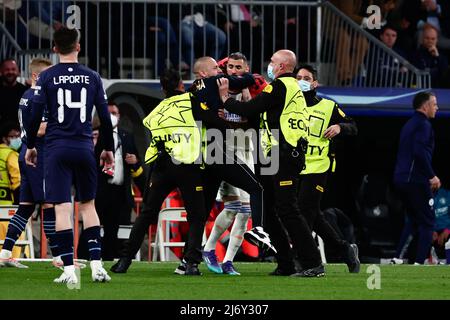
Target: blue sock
{"x": 49, "y": 229}
{"x": 92, "y": 235}
{"x": 17, "y": 225}
{"x": 64, "y": 241}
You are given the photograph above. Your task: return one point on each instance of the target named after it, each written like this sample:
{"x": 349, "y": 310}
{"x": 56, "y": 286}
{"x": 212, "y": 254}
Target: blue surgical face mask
{"x": 15, "y": 143}
{"x": 270, "y": 72}
{"x": 304, "y": 85}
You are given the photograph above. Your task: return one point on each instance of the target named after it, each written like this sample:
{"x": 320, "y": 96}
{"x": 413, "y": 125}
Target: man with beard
{"x": 10, "y": 91}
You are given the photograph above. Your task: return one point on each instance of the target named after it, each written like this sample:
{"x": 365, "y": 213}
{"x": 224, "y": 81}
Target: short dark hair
{"x": 238, "y": 56}
{"x": 308, "y": 67}
{"x": 386, "y": 27}
{"x": 7, "y": 59}
{"x": 421, "y": 98}
{"x": 66, "y": 39}
{"x": 170, "y": 79}
{"x": 111, "y": 102}
{"x": 6, "y": 128}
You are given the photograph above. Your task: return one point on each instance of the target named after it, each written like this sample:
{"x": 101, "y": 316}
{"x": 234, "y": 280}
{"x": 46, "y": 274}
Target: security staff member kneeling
{"x": 174, "y": 150}
{"x": 283, "y": 107}
{"x": 326, "y": 121}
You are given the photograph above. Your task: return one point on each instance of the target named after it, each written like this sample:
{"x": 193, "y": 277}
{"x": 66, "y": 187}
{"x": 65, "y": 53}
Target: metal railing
{"x": 137, "y": 39}
{"x": 351, "y": 56}
{"x": 8, "y": 46}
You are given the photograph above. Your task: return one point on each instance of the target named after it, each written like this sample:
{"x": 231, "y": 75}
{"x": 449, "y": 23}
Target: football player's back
{"x": 70, "y": 91}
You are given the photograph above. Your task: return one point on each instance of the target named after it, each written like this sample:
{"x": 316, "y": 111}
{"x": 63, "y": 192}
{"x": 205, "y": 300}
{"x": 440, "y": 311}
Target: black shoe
{"x": 121, "y": 266}
{"x": 192, "y": 269}
{"x": 282, "y": 272}
{"x": 315, "y": 272}
{"x": 181, "y": 269}
{"x": 351, "y": 258}
{"x": 260, "y": 238}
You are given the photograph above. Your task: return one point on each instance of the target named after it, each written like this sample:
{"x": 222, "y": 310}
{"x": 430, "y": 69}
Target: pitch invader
{"x": 237, "y": 208}
{"x": 69, "y": 158}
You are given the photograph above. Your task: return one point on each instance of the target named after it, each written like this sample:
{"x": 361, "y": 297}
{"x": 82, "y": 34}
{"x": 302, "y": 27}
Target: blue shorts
{"x": 64, "y": 167}
{"x": 32, "y": 178}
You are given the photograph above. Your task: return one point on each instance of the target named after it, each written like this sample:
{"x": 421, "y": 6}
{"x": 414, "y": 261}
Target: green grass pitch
{"x": 156, "y": 281}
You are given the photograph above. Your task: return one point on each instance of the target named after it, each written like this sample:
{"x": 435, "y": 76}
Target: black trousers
{"x": 310, "y": 192}
{"x": 165, "y": 177}
{"x": 240, "y": 176}
{"x": 283, "y": 219}
{"x": 111, "y": 204}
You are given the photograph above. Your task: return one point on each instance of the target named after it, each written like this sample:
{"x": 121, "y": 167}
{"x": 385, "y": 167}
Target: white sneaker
{"x": 261, "y": 239}
{"x": 396, "y": 261}
{"x": 68, "y": 276}
{"x": 12, "y": 263}
{"x": 99, "y": 273}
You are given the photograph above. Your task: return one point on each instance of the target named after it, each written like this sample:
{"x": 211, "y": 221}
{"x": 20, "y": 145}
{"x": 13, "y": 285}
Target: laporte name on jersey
{"x": 71, "y": 79}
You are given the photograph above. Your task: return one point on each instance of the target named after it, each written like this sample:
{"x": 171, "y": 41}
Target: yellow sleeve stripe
{"x": 137, "y": 173}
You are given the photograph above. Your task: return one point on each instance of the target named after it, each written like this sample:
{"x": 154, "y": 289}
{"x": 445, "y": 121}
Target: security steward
{"x": 174, "y": 150}
{"x": 326, "y": 121}
{"x": 283, "y": 107}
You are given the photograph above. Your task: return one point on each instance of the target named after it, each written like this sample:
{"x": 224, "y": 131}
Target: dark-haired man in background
{"x": 414, "y": 176}
{"x": 10, "y": 91}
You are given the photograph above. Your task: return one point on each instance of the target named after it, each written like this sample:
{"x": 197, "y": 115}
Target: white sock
{"x": 95, "y": 264}
{"x": 236, "y": 235}
{"x": 223, "y": 221}
{"x": 5, "y": 254}
{"x": 69, "y": 269}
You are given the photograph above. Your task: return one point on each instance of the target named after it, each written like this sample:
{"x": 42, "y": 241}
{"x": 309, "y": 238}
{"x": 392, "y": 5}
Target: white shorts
{"x": 227, "y": 189}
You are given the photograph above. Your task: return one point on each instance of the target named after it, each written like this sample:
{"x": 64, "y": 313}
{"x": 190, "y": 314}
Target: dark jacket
{"x": 437, "y": 66}
{"x": 415, "y": 151}
{"x": 130, "y": 171}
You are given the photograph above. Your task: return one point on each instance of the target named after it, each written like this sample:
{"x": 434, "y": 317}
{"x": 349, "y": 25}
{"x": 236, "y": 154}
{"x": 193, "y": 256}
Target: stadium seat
{"x": 26, "y": 239}
{"x": 162, "y": 238}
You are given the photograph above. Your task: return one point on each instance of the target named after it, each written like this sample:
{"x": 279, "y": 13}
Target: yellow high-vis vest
{"x": 6, "y": 194}
{"x": 172, "y": 124}
{"x": 293, "y": 120}
{"x": 317, "y": 160}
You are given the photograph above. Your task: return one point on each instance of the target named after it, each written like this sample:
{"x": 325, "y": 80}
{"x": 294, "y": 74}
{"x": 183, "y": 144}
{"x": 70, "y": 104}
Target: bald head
{"x": 283, "y": 61}
{"x": 288, "y": 58}
{"x": 205, "y": 67}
